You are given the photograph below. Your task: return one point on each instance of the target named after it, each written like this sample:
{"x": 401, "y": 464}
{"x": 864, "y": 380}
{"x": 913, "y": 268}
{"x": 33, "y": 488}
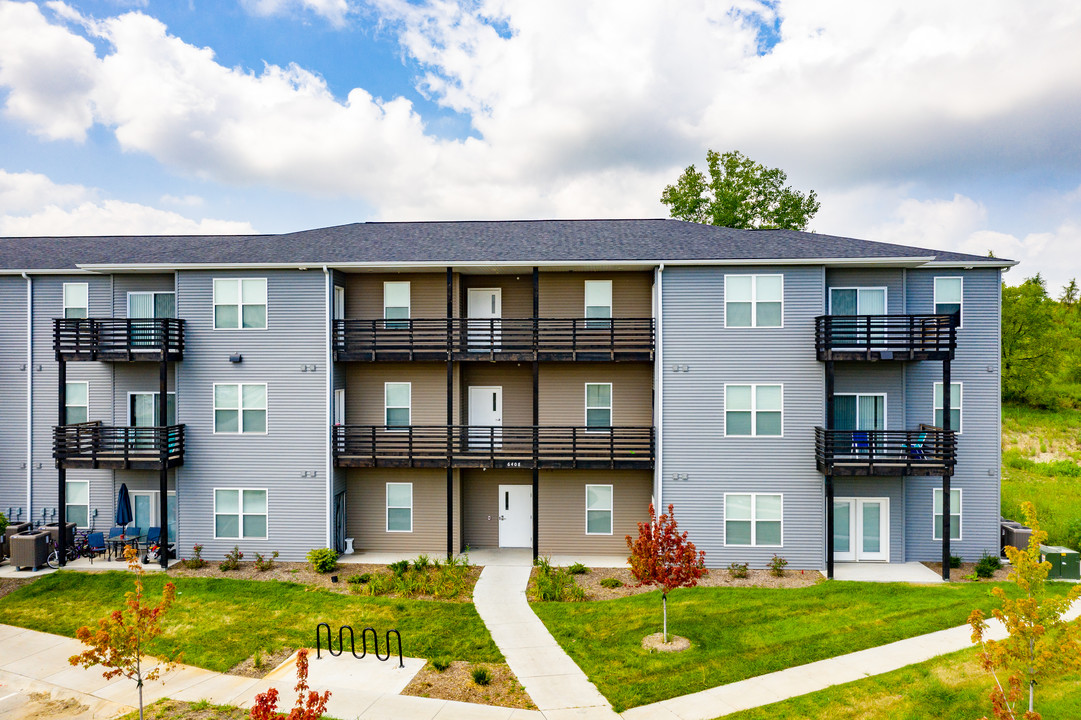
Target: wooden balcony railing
{"x": 925, "y": 451}
{"x": 886, "y": 337}
{"x": 93, "y": 445}
{"x": 495, "y": 339}
{"x": 118, "y": 339}
{"x": 495, "y": 447}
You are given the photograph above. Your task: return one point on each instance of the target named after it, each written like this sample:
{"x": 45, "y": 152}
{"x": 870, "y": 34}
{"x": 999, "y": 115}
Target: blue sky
{"x": 942, "y": 125}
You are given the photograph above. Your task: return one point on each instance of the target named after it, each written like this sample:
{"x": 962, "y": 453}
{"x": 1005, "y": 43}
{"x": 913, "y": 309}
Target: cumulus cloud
{"x": 32, "y": 205}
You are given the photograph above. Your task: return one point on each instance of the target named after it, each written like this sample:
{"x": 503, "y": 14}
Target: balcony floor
{"x": 119, "y": 462}
{"x": 857, "y": 468}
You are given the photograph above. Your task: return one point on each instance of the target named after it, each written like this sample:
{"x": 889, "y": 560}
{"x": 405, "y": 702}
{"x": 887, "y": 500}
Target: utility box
{"x": 1018, "y": 536}
{"x": 1064, "y": 562}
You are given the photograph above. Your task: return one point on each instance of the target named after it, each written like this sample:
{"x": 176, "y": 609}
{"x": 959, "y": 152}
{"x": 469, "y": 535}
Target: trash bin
{"x": 1064, "y": 562}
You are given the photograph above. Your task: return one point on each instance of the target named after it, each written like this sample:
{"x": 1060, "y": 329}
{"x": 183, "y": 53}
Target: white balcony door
{"x": 485, "y": 307}
{"x": 861, "y": 529}
{"x": 515, "y": 516}
{"x": 145, "y": 511}
{"x": 485, "y": 418}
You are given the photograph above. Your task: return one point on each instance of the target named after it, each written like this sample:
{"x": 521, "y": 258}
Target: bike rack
{"x": 353, "y": 644}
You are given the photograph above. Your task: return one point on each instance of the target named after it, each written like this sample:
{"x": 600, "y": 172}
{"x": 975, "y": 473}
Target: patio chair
{"x": 915, "y": 449}
{"x": 861, "y": 442}
{"x": 153, "y": 536}
{"x": 95, "y": 545}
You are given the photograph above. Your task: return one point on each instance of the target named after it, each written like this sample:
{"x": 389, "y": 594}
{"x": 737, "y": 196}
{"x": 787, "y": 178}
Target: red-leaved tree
{"x": 662, "y": 556}
{"x": 310, "y": 704}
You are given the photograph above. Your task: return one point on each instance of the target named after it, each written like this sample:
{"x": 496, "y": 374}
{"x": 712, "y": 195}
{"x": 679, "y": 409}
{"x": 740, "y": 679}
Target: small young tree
{"x": 1040, "y": 643}
{"x": 310, "y": 705}
{"x": 122, "y": 637}
{"x": 662, "y": 556}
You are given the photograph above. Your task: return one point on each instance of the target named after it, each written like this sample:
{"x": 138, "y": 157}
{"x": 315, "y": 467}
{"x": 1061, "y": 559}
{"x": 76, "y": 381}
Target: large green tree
{"x": 739, "y": 193}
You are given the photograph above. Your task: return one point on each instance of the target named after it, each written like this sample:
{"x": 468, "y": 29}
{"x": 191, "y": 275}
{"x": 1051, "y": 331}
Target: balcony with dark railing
{"x": 93, "y": 445}
{"x": 474, "y": 446}
{"x": 925, "y": 451}
{"x": 886, "y": 337}
{"x": 151, "y": 339}
{"x": 514, "y": 339}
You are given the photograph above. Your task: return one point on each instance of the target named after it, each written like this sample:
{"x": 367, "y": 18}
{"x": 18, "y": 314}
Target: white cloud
{"x": 334, "y": 11}
{"x": 32, "y": 205}
{"x": 182, "y": 200}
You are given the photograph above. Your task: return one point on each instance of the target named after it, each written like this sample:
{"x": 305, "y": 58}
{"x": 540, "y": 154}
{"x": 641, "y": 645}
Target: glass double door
{"x": 861, "y": 529}
{"x": 146, "y": 511}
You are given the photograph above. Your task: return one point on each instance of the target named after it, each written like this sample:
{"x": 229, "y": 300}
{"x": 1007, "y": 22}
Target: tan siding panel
{"x": 427, "y": 294}
{"x": 516, "y": 296}
{"x": 517, "y": 383}
{"x": 364, "y": 398}
{"x": 366, "y": 510}
{"x": 563, "y": 509}
{"x": 563, "y": 395}
{"x": 563, "y": 295}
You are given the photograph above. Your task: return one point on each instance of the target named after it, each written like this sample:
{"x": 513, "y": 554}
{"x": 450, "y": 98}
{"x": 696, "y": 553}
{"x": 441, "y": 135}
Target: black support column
{"x": 536, "y": 414}
{"x": 450, "y": 413}
{"x": 829, "y": 478}
{"x": 61, "y": 473}
{"x": 948, "y": 472}
{"x": 163, "y": 438}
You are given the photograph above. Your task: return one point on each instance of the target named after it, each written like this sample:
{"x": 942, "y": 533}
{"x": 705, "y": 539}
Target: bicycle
{"x": 72, "y": 552}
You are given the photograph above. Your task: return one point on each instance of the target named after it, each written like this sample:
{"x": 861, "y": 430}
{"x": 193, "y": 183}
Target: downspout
{"x": 29, "y": 397}
{"x": 658, "y": 373}
{"x": 329, "y": 402}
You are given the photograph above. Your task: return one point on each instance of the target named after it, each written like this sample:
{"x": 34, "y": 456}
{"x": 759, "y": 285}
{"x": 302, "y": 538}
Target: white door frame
{"x": 484, "y": 336}
{"x": 485, "y": 439}
{"x": 855, "y": 530}
{"x": 515, "y": 516}
{"x": 155, "y": 505}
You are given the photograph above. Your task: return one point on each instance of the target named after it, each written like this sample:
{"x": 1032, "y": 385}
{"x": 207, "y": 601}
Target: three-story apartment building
{"x": 427, "y": 387}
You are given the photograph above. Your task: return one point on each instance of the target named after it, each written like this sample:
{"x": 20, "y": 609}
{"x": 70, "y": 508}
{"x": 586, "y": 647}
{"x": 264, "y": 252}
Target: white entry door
{"x": 485, "y": 309}
{"x": 861, "y": 529}
{"x": 515, "y": 516}
{"x": 485, "y": 418}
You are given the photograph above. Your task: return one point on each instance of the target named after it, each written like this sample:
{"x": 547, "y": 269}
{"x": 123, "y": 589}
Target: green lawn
{"x": 737, "y": 633}
{"x": 219, "y": 623}
{"x": 950, "y": 687}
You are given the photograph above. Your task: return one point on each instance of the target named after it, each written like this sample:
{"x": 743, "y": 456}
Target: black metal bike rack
{"x": 353, "y": 644}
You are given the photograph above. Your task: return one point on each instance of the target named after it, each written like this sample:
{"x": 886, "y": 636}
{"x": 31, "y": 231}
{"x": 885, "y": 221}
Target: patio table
{"x": 115, "y": 543}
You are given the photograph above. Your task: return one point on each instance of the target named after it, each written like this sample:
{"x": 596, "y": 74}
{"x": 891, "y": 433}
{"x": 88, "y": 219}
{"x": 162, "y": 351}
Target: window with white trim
{"x": 240, "y": 303}
{"x": 956, "y": 390}
{"x": 599, "y": 405}
{"x": 858, "y": 301}
{"x": 339, "y": 302}
{"x": 955, "y": 514}
{"x": 240, "y": 513}
{"x": 398, "y": 399}
{"x": 598, "y": 509}
{"x": 151, "y": 304}
{"x": 240, "y": 408}
{"x": 76, "y": 402}
{"x": 396, "y": 302}
{"x": 753, "y": 410}
{"x": 949, "y": 296}
{"x": 598, "y": 304}
{"x": 77, "y": 507}
{"x": 753, "y": 519}
{"x": 76, "y": 300}
{"x": 144, "y": 410}
{"x": 753, "y": 300}
{"x": 399, "y": 507}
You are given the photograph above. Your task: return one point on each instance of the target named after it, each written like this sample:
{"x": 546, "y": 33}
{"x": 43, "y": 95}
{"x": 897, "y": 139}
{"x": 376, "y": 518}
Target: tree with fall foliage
{"x": 1040, "y": 644}
{"x": 310, "y": 705}
{"x": 121, "y": 639}
{"x": 662, "y": 556}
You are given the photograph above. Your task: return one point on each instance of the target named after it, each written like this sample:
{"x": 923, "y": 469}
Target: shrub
{"x": 987, "y": 565}
{"x": 232, "y": 560}
{"x": 422, "y": 563}
{"x": 777, "y": 565}
{"x": 1073, "y": 534}
{"x": 738, "y": 570}
{"x": 359, "y": 579}
{"x": 399, "y": 568}
{"x": 955, "y": 561}
{"x": 611, "y": 583}
{"x": 3, "y": 523}
{"x": 196, "y": 560}
{"x": 482, "y": 676}
{"x": 441, "y": 663}
{"x": 578, "y": 569}
{"x": 555, "y": 584}
{"x": 262, "y": 564}
{"x": 323, "y": 560}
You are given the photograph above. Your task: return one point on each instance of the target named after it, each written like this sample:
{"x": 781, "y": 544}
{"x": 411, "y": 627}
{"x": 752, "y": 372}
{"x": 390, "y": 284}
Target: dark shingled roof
{"x": 525, "y": 241}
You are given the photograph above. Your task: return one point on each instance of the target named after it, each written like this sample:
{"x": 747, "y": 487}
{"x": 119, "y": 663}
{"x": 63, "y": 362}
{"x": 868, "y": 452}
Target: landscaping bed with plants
{"x": 483, "y": 683}
{"x": 9, "y": 584}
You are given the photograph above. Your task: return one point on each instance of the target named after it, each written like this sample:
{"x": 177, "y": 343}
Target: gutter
{"x": 29, "y": 397}
{"x": 329, "y": 396}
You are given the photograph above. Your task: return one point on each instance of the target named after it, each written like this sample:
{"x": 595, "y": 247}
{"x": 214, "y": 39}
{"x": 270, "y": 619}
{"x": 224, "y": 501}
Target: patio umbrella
{"x": 123, "y": 506}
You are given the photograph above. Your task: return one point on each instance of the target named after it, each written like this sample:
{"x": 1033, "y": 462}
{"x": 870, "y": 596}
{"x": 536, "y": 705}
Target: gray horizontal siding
{"x": 875, "y": 379}
{"x": 880, "y": 487}
{"x": 694, "y": 441}
{"x": 13, "y": 375}
{"x": 890, "y": 278}
{"x": 124, "y": 283}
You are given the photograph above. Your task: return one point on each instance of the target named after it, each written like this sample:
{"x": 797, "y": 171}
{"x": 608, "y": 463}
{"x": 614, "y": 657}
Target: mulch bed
{"x": 10, "y": 584}
{"x": 969, "y": 569}
{"x": 267, "y": 662}
{"x": 718, "y": 577}
{"x": 456, "y": 683}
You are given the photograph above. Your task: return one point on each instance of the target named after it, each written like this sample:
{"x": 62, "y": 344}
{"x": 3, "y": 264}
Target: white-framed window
{"x": 599, "y": 405}
{"x": 399, "y": 507}
{"x": 949, "y": 296}
{"x": 598, "y": 309}
{"x": 753, "y": 519}
{"x": 396, "y": 300}
{"x": 76, "y": 300}
{"x": 240, "y": 513}
{"x": 754, "y": 410}
{"x": 753, "y": 301}
{"x": 955, "y": 514}
{"x": 956, "y": 394}
{"x": 240, "y": 408}
{"x": 240, "y": 303}
{"x": 858, "y": 301}
{"x": 339, "y": 406}
{"x": 398, "y": 402}
{"x": 859, "y": 412}
{"x": 76, "y": 402}
{"x": 598, "y": 509}
{"x": 147, "y": 304}
{"x": 339, "y": 302}
{"x": 77, "y": 507}
{"x": 144, "y": 410}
